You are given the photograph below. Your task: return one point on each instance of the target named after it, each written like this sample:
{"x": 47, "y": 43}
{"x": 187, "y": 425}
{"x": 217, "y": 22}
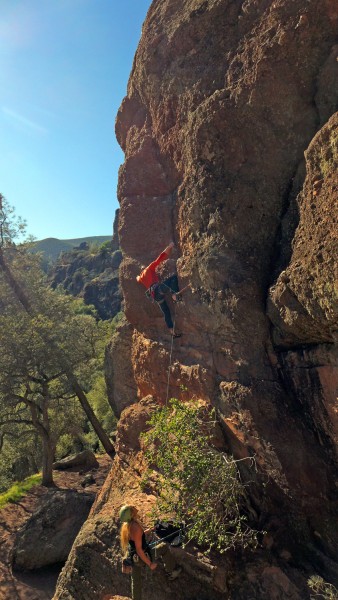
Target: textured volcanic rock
{"x": 121, "y": 386}
{"x": 303, "y": 302}
{"x": 224, "y": 99}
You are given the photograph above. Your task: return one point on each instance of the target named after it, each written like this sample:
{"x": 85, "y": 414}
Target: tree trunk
{"x": 43, "y": 428}
{"x": 48, "y": 443}
{"x": 23, "y": 299}
{"x": 101, "y": 434}
{"x": 47, "y": 462}
{"x": 14, "y": 285}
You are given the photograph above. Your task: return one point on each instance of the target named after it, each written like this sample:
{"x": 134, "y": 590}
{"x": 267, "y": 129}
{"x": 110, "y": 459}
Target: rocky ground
{"x": 37, "y": 585}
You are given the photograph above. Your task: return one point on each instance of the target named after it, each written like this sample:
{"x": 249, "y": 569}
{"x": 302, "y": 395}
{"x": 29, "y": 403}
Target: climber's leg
{"x": 136, "y": 582}
{"x": 160, "y": 290}
{"x": 163, "y": 550}
{"x": 172, "y": 283}
{"x": 166, "y": 313}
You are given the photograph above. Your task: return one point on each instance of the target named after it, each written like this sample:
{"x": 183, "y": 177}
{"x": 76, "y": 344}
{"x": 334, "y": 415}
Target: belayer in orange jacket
{"x": 157, "y": 289}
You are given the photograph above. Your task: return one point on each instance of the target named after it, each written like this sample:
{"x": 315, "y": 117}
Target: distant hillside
{"x": 91, "y": 273}
{"x": 52, "y": 247}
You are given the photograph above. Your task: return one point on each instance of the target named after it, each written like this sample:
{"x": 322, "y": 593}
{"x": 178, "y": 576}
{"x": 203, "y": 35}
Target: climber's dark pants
{"x": 168, "y": 285}
{"x": 162, "y": 550}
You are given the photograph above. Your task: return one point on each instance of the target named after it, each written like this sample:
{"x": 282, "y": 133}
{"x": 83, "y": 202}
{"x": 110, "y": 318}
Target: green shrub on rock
{"x": 197, "y": 484}
{"x": 321, "y": 589}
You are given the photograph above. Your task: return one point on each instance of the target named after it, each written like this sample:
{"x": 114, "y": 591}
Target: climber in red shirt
{"x": 157, "y": 289}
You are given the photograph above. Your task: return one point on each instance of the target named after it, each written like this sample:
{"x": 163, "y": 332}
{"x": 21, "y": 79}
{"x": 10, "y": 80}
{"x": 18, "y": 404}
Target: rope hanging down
{"x": 172, "y": 339}
{"x": 170, "y": 356}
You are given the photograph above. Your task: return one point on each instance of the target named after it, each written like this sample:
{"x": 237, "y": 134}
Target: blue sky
{"x": 64, "y": 68}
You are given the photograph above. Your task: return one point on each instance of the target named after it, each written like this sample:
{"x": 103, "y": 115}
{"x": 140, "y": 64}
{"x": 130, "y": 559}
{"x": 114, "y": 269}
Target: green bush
{"x": 196, "y": 484}
{"x": 321, "y": 589}
{"x": 106, "y": 248}
{"x": 66, "y": 446}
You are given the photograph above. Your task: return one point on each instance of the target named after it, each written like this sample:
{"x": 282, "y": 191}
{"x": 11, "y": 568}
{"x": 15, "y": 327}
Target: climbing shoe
{"x": 175, "y": 573}
{"x": 177, "y": 335}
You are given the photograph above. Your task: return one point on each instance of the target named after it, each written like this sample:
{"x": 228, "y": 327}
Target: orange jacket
{"x": 149, "y": 276}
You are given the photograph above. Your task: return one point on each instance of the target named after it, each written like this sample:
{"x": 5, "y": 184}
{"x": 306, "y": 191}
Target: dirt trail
{"x": 40, "y": 584}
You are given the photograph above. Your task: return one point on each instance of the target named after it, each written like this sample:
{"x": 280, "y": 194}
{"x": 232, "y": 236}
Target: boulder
{"x": 47, "y": 537}
{"x": 84, "y": 460}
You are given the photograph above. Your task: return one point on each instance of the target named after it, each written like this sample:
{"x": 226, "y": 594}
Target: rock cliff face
{"x": 230, "y": 139}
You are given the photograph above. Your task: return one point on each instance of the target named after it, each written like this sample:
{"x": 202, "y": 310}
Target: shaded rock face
{"x": 224, "y": 99}
{"x": 119, "y": 375}
{"x": 303, "y": 303}
{"x": 48, "y": 535}
{"x": 93, "y": 277}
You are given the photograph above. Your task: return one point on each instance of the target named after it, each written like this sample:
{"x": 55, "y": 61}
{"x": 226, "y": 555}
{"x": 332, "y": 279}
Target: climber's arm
{"x": 163, "y": 256}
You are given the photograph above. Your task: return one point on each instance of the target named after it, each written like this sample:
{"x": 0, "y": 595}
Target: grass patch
{"x": 19, "y": 489}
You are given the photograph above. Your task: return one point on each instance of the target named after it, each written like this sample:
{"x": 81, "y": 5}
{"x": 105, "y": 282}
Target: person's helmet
{"x": 125, "y": 514}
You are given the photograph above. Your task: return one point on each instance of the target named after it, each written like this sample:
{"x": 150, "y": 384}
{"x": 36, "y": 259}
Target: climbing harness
{"x": 150, "y": 292}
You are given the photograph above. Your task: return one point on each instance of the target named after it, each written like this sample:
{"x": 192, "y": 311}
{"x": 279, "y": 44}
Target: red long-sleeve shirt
{"x": 149, "y": 276}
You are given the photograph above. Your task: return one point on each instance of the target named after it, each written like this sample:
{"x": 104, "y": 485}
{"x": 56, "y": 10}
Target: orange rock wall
{"x": 223, "y": 101}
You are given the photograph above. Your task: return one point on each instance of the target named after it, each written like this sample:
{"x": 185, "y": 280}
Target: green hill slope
{"x": 52, "y": 247}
